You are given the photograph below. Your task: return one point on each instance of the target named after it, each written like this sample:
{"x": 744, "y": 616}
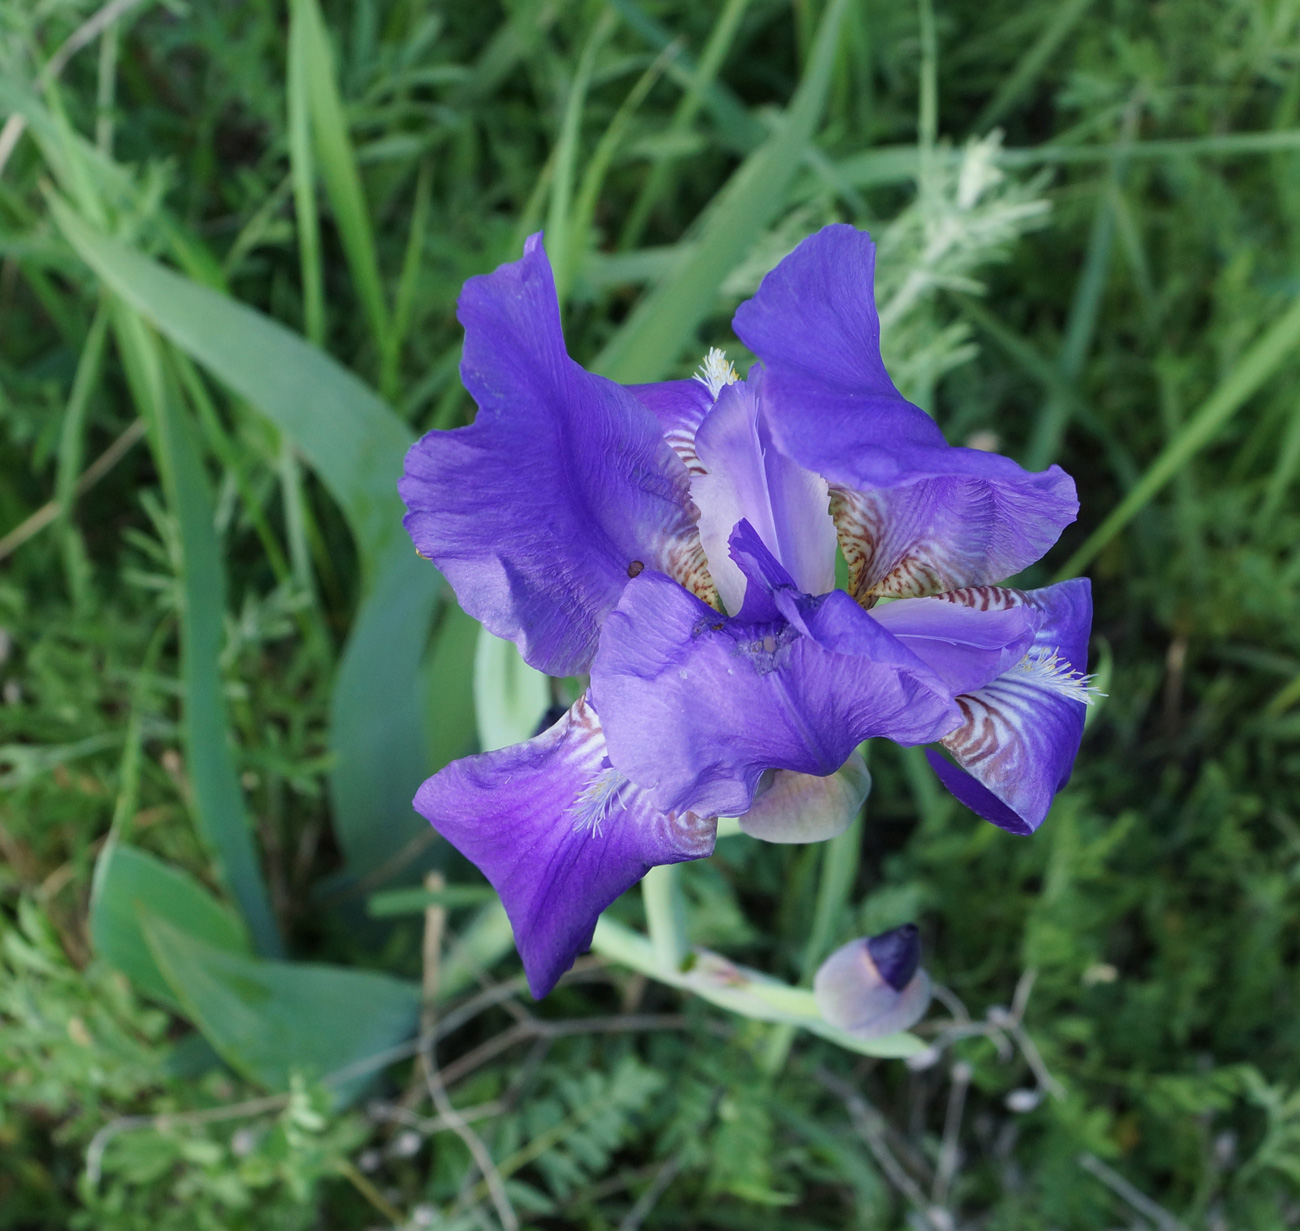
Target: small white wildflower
{"x": 1022, "y": 1101}
{"x": 406, "y": 1144}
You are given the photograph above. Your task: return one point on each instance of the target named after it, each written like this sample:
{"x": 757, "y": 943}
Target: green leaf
{"x": 449, "y": 685}
{"x": 218, "y": 799}
{"x": 665, "y": 321}
{"x": 269, "y": 1020}
{"x": 311, "y": 56}
{"x": 356, "y": 444}
{"x": 1274, "y": 350}
{"x": 416, "y": 901}
{"x": 510, "y": 697}
{"x": 378, "y": 715}
{"x": 127, "y": 880}
{"x": 476, "y": 948}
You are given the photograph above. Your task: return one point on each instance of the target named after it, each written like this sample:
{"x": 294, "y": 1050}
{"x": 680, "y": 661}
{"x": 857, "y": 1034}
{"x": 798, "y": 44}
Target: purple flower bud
{"x": 874, "y": 986}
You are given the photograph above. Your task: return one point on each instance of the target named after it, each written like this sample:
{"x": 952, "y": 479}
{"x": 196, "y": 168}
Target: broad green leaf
{"x": 346, "y": 433}
{"x": 510, "y": 697}
{"x": 269, "y": 1020}
{"x": 664, "y": 322}
{"x": 449, "y": 686}
{"x": 128, "y": 880}
{"x": 217, "y": 797}
{"x": 356, "y": 444}
{"x": 378, "y": 714}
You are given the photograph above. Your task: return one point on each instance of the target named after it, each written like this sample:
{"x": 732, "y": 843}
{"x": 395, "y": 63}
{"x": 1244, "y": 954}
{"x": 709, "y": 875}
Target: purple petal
{"x": 679, "y": 406}
{"x": 967, "y": 517}
{"x": 762, "y": 574}
{"x": 746, "y": 478}
{"x": 873, "y": 986}
{"x": 897, "y": 954}
{"x": 1021, "y": 732}
{"x": 563, "y": 486}
{"x": 806, "y": 808}
{"x": 696, "y": 707}
{"x": 967, "y": 647}
{"x": 558, "y": 833}
{"x": 814, "y": 325}
{"x": 948, "y": 533}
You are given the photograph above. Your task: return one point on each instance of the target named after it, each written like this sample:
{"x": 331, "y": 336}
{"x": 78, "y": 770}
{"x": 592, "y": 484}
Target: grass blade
{"x": 1030, "y": 66}
{"x": 701, "y": 80}
{"x": 1257, "y": 365}
{"x": 303, "y": 175}
{"x": 560, "y": 245}
{"x": 338, "y": 169}
{"x": 664, "y": 322}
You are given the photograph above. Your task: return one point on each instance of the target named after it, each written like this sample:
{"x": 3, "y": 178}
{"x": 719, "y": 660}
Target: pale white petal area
{"x": 852, "y": 994}
{"x": 747, "y": 479}
{"x": 806, "y": 808}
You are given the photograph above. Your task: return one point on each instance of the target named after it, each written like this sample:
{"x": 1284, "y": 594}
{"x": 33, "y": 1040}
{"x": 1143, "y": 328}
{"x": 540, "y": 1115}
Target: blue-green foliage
{"x": 231, "y": 239}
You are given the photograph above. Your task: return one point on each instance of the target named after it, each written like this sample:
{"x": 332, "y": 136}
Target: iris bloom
{"x": 676, "y": 543}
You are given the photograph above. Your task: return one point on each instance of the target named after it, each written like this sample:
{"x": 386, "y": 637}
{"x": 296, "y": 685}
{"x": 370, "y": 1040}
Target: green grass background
{"x": 222, "y": 670}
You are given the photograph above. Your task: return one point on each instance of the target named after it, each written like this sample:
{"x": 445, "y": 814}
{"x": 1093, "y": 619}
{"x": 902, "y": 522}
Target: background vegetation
{"x": 223, "y": 671}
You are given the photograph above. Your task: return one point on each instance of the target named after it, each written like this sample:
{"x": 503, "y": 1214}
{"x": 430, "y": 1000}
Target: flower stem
{"x": 840, "y": 858}
{"x": 665, "y": 911}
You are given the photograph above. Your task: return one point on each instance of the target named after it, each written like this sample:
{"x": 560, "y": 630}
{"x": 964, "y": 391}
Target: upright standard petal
{"x": 963, "y": 517}
{"x": 558, "y": 833}
{"x": 1020, "y": 733}
{"x": 814, "y": 325}
{"x": 746, "y": 478}
{"x": 561, "y": 489}
{"x": 697, "y": 706}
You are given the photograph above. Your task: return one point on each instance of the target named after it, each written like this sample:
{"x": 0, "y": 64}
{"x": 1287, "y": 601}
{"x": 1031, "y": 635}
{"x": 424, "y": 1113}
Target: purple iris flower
{"x": 676, "y": 543}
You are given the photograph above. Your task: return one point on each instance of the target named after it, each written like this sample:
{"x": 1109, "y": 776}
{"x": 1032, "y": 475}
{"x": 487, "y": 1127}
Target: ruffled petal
{"x": 1020, "y": 733}
{"x": 696, "y": 706}
{"x": 744, "y": 477}
{"x": 562, "y": 487}
{"x": 558, "y": 833}
{"x": 964, "y": 517}
{"x": 806, "y": 808}
{"x": 874, "y": 986}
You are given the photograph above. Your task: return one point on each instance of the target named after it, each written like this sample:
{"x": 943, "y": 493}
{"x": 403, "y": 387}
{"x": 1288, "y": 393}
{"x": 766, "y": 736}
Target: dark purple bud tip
{"x": 897, "y": 954}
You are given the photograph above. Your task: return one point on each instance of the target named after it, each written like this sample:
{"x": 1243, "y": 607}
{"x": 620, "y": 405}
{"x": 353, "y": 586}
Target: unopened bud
{"x": 874, "y": 986}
